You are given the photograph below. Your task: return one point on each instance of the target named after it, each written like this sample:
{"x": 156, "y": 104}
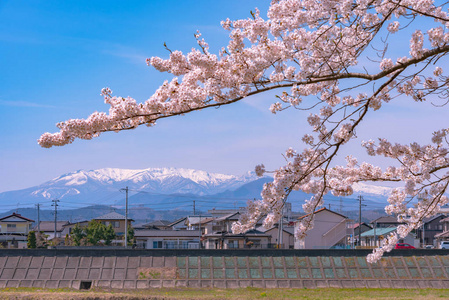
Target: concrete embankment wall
{"x": 137, "y": 269}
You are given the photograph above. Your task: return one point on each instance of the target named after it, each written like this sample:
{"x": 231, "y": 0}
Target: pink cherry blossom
{"x": 310, "y": 52}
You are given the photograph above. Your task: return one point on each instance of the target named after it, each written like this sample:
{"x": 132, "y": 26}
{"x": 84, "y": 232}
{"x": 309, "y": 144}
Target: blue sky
{"x": 55, "y": 57}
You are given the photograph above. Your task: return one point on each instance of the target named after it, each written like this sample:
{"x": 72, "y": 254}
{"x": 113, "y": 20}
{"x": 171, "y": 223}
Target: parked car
{"x": 405, "y": 246}
{"x": 444, "y": 245}
{"x": 429, "y": 247}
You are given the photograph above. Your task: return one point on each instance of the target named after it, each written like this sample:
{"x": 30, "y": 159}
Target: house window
{"x": 233, "y": 244}
{"x": 170, "y": 245}
{"x": 11, "y": 228}
{"x": 115, "y": 224}
{"x": 157, "y": 244}
{"x": 440, "y": 227}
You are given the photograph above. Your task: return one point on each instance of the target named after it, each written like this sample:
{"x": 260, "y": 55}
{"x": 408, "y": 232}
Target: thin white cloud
{"x": 125, "y": 52}
{"x": 24, "y": 104}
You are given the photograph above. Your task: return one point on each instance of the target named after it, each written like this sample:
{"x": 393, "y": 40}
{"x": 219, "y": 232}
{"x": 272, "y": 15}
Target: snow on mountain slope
{"x": 376, "y": 190}
{"x": 94, "y": 185}
{"x": 81, "y": 188}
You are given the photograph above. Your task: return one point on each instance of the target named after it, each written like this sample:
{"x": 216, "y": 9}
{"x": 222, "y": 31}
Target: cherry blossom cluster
{"x": 310, "y": 51}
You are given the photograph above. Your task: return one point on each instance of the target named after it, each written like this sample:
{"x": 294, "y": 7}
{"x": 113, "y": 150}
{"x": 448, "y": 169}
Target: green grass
{"x": 216, "y": 294}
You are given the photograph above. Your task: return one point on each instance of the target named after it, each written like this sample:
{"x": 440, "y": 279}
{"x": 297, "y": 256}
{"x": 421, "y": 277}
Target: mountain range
{"x": 162, "y": 189}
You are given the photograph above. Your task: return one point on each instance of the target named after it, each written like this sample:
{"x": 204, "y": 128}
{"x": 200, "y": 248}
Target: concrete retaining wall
{"x": 135, "y": 269}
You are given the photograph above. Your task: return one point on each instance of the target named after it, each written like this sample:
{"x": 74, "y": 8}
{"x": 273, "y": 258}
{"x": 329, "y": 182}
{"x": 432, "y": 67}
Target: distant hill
{"x": 138, "y": 214}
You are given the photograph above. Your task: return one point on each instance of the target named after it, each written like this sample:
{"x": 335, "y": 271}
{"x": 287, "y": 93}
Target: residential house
{"x": 353, "y": 232}
{"x": 217, "y": 213}
{"x": 167, "y": 239}
{"x": 158, "y": 225}
{"x": 329, "y": 231}
{"x": 385, "y": 222}
{"x": 373, "y": 238}
{"x": 116, "y": 220}
{"x": 252, "y": 239}
{"x": 69, "y": 226}
{"x": 14, "y": 231}
{"x": 195, "y": 222}
{"x": 218, "y": 234}
{"x": 443, "y": 236}
{"x": 431, "y": 227}
{"x": 179, "y": 224}
{"x": 48, "y": 228}
{"x": 286, "y": 241}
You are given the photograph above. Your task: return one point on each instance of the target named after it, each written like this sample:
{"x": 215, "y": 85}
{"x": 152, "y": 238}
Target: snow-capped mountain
{"x": 369, "y": 189}
{"x": 159, "y": 187}
{"x": 96, "y": 185}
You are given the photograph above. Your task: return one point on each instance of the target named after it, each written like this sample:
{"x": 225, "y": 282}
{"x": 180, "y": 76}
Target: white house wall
{"x": 325, "y": 222}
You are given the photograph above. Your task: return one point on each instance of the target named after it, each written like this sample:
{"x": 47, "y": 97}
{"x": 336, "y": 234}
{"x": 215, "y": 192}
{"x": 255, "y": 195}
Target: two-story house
{"x": 431, "y": 227}
{"x": 219, "y": 235}
{"x": 329, "y": 231}
{"x": 14, "y": 230}
{"x": 116, "y": 220}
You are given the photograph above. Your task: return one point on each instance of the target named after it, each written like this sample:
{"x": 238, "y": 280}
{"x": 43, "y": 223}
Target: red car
{"x": 403, "y": 246}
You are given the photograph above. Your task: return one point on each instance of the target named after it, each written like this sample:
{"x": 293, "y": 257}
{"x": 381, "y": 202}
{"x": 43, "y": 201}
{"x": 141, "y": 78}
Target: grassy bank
{"x": 216, "y": 294}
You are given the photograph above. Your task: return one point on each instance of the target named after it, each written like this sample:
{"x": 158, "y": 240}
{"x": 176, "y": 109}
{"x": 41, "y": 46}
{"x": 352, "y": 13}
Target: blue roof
{"x": 379, "y": 231}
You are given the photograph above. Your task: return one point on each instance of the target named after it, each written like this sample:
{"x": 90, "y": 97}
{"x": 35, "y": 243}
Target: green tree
{"x": 31, "y": 241}
{"x": 130, "y": 236}
{"x": 77, "y": 235}
{"x": 109, "y": 234}
{"x": 95, "y": 232}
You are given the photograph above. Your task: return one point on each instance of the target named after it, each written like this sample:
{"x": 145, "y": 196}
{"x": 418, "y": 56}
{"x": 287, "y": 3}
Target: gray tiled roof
{"x": 233, "y": 216}
{"x": 158, "y": 223}
{"x": 386, "y": 219}
{"x": 112, "y": 216}
{"x": 50, "y": 226}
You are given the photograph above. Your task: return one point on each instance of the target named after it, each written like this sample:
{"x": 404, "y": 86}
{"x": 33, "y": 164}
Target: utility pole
{"x": 375, "y": 237}
{"x": 199, "y": 226}
{"x": 38, "y": 218}
{"x": 423, "y": 236}
{"x": 55, "y": 204}
{"x": 360, "y": 220}
{"x": 126, "y": 217}
{"x": 194, "y": 207}
{"x": 281, "y": 237}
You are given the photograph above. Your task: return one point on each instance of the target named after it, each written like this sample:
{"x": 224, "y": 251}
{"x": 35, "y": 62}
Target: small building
{"x": 329, "y": 231}
{"x": 14, "y": 231}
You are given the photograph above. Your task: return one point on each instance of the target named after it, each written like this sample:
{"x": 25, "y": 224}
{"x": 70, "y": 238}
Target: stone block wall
{"x": 283, "y": 269}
